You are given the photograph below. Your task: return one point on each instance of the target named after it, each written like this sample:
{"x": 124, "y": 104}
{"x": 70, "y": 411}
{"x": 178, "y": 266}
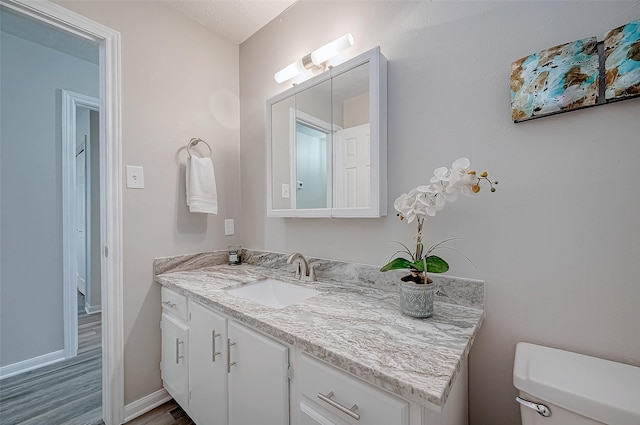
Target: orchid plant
{"x": 426, "y": 200}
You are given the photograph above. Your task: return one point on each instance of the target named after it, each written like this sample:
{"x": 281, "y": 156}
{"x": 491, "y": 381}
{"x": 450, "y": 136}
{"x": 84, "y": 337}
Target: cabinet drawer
{"x": 335, "y": 391}
{"x": 174, "y": 304}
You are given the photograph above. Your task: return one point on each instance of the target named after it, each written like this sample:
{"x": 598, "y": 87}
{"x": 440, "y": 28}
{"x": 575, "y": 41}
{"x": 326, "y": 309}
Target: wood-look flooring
{"x": 89, "y": 328}
{"x": 70, "y": 392}
{"x": 67, "y": 392}
{"x": 167, "y": 414}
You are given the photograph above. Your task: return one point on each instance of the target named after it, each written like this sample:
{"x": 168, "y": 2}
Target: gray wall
{"x": 178, "y": 81}
{"x": 31, "y": 286}
{"x": 557, "y": 244}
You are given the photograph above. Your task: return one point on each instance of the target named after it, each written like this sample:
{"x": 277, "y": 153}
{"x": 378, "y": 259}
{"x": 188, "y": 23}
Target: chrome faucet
{"x": 303, "y": 271}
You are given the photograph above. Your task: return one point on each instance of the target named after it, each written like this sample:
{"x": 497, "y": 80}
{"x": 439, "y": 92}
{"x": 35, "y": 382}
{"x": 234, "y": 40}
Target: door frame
{"x": 296, "y": 116}
{"x": 108, "y": 42}
{"x": 70, "y": 102}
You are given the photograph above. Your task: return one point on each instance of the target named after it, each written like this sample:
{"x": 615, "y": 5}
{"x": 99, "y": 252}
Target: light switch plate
{"x": 285, "y": 191}
{"x": 135, "y": 177}
{"x": 229, "y": 227}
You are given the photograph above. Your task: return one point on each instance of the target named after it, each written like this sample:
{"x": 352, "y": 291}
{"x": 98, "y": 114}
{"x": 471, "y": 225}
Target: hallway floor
{"x": 68, "y": 392}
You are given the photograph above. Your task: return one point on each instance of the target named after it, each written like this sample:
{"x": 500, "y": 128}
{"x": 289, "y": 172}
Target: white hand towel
{"x": 202, "y": 196}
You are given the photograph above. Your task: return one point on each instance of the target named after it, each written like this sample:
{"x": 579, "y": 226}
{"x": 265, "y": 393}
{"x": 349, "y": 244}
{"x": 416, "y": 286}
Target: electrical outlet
{"x": 285, "y": 191}
{"x": 229, "y": 227}
{"x": 135, "y": 177}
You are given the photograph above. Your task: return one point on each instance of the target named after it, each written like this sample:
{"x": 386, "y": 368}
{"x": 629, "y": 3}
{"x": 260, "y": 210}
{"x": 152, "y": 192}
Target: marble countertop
{"x": 355, "y": 327}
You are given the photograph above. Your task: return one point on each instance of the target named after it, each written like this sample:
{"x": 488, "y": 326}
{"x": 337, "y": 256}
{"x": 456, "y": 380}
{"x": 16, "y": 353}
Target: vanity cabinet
{"x": 175, "y": 339}
{"x": 220, "y": 371}
{"x": 223, "y": 372}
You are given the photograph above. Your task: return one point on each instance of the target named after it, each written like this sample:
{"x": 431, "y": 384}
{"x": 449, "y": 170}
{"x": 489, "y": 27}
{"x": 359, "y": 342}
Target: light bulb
{"x": 332, "y": 49}
{"x": 289, "y": 72}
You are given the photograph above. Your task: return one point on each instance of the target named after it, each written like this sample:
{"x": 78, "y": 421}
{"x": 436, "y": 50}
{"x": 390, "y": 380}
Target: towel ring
{"x": 194, "y": 142}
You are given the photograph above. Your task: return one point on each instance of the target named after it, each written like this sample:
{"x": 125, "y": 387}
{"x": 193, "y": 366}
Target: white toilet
{"x": 562, "y": 388}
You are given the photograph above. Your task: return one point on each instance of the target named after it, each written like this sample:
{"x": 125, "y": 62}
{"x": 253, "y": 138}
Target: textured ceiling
{"x": 235, "y": 20}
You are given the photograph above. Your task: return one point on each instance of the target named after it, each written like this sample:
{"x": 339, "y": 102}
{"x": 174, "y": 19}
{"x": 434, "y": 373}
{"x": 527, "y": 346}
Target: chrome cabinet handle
{"x": 538, "y": 407}
{"x": 214, "y": 353}
{"x": 328, "y": 399}
{"x": 229, "y": 362}
{"x": 178, "y": 356}
{"x": 169, "y": 304}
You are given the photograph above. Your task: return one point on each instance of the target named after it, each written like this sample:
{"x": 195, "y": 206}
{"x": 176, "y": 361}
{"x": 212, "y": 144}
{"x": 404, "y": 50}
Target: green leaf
{"x": 396, "y": 263}
{"x": 419, "y": 265}
{"x": 436, "y": 264}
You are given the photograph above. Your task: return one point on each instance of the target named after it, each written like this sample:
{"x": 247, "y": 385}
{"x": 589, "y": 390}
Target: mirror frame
{"x": 378, "y": 139}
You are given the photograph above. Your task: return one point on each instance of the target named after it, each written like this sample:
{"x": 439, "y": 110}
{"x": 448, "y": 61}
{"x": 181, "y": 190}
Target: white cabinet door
{"x": 174, "y": 366}
{"x": 207, "y": 365}
{"x": 258, "y": 380}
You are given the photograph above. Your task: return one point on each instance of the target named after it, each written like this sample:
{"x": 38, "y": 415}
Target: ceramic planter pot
{"x": 416, "y": 300}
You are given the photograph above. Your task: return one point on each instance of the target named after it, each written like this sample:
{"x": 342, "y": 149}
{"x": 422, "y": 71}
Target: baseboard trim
{"x": 143, "y": 405}
{"x": 30, "y": 364}
{"x": 93, "y": 309}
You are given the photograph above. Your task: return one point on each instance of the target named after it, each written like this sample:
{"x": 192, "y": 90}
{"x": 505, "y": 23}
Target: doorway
{"x": 81, "y": 209}
{"x": 48, "y": 15}
{"x": 313, "y": 152}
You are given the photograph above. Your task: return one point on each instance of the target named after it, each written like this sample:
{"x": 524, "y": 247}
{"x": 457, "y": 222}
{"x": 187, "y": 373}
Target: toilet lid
{"x": 599, "y": 389}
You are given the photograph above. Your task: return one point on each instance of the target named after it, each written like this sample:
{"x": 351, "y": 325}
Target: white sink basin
{"x": 273, "y": 293}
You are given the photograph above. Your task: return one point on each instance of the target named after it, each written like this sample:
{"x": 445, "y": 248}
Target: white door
{"x": 81, "y": 218}
{"x": 352, "y": 167}
{"x": 207, "y": 366}
{"x": 258, "y": 380}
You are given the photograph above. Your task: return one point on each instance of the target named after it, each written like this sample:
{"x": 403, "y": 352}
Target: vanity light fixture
{"x": 316, "y": 59}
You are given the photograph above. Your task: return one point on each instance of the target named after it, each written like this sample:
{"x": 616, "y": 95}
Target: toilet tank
{"x": 582, "y": 389}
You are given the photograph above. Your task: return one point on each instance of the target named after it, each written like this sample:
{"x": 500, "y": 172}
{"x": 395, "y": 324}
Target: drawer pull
{"x": 229, "y": 362}
{"x": 169, "y": 304}
{"x": 351, "y": 412}
{"x": 178, "y": 356}
{"x": 214, "y": 353}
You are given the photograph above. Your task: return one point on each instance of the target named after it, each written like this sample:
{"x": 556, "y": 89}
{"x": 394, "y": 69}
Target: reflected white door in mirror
{"x": 327, "y": 143}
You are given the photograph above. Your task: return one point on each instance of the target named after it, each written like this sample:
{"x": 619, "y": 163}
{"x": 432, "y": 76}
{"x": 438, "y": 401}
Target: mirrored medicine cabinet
{"x": 327, "y": 143}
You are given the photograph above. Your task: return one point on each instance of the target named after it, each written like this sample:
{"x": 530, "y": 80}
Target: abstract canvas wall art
{"x": 554, "y": 80}
{"x": 622, "y": 61}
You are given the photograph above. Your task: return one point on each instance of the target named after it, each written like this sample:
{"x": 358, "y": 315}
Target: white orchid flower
{"x": 459, "y": 179}
{"x": 406, "y": 203}
{"x": 431, "y": 198}
{"x": 426, "y": 200}
{"x": 440, "y": 175}
{"x": 461, "y": 164}
{"x": 399, "y": 202}
{"x": 445, "y": 186}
